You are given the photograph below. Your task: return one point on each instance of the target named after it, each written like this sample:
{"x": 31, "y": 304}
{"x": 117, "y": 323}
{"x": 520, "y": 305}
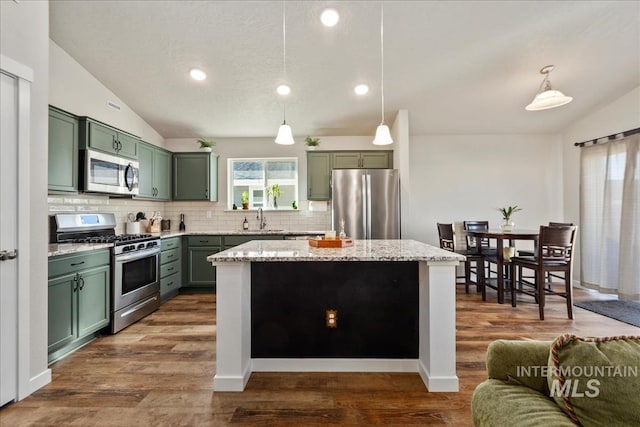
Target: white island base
{"x": 436, "y": 362}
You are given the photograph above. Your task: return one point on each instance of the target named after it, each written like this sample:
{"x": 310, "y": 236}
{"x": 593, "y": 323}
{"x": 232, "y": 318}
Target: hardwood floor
{"x": 159, "y": 372}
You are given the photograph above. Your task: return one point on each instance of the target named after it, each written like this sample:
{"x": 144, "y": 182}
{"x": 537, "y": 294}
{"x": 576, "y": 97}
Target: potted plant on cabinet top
{"x": 507, "y": 223}
{"x": 245, "y": 200}
{"x": 312, "y": 143}
{"x": 274, "y": 191}
{"x": 205, "y": 145}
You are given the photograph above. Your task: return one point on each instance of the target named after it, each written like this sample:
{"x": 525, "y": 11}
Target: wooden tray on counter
{"x": 330, "y": 243}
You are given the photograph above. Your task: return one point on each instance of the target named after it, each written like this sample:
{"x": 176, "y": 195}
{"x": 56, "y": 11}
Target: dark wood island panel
{"x": 376, "y": 303}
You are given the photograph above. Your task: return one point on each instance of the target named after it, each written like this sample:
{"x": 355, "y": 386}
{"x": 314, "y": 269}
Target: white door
{"x": 8, "y": 238}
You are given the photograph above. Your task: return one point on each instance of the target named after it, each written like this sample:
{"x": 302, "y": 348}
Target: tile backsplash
{"x": 199, "y": 216}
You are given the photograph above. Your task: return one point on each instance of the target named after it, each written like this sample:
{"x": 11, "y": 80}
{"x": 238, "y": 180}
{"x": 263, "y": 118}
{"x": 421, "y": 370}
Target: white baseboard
{"x": 40, "y": 380}
{"x": 334, "y": 365}
{"x": 438, "y": 384}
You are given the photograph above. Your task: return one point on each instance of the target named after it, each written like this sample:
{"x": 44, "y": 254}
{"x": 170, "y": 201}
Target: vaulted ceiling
{"x": 459, "y": 67}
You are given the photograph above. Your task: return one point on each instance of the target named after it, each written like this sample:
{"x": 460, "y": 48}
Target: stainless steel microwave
{"x": 107, "y": 173}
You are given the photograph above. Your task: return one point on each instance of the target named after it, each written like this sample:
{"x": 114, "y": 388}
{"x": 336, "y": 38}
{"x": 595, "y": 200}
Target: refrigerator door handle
{"x": 363, "y": 188}
{"x": 368, "y": 207}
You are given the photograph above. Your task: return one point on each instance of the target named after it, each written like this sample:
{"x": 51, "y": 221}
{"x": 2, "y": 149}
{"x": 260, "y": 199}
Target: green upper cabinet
{"x": 320, "y": 164}
{"x": 63, "y": 151}
{"x": 346, "y": 160}
{"x": 100, "y": 137}
{"x": 155, "y": 172}
{"x": 374, "y": 159}
{"x": 318, "y": 176}
{"x": 195, "y": 176}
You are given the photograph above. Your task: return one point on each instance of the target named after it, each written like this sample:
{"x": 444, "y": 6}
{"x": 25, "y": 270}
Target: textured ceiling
{"x": 458, "y": 66}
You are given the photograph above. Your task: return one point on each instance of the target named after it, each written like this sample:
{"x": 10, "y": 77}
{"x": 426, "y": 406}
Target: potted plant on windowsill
{"x": 205, "y": 145}
{"x": 274, "y": 191}
{"x": 312, "y": 143}
{"x": 507, "y": 223}
{"x": 245, "y": 200}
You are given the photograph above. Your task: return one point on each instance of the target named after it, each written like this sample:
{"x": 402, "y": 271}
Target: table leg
{"x": 500, "y": 268}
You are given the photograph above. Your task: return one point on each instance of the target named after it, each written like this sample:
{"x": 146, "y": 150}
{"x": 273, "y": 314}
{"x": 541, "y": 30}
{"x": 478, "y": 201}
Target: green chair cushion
{"x": 596, "y": 381}
{"x": 499, "y": 404}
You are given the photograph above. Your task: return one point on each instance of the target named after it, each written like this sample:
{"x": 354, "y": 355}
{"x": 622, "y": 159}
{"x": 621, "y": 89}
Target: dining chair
{"x": 446, "y": 236}
{"x": 485, "y": 247}
{"x": 554, "y": 253}
{"x": 526, "y": 252}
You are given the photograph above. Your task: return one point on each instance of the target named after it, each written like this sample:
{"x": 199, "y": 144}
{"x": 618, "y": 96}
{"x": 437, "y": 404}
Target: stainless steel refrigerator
{"x": 368, "y": 200}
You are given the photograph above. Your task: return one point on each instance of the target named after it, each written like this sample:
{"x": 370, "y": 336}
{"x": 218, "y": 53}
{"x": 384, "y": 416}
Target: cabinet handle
{"x": 81, "y": 279}
{"x": 114, "y": 143}
{"x": 170, "y": 256}
{"x": 170, "y": 284}
{"x": 119, "y": 146}
{"x": 204, "y": 241}
{"x": 206, "y": 194}
{"x": 170, "y": 269}
{"x": 73, "y": 264}
{"x": 75, "y": 282}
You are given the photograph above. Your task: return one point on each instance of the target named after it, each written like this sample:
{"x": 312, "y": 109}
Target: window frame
{"x": 253, "y": 204}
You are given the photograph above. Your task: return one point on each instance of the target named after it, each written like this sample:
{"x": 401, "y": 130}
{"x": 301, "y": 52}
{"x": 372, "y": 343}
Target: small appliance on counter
{"x": 182, "y": 227}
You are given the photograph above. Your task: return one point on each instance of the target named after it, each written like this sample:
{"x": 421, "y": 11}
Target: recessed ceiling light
{"x": 361, "y": 89}
{"x": 283, "y": 90}
{"x": 197, "y": 74}
{"x": 329, "y": 17}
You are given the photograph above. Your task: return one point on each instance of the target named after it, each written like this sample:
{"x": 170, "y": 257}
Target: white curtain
{"x": 610, "y": 217}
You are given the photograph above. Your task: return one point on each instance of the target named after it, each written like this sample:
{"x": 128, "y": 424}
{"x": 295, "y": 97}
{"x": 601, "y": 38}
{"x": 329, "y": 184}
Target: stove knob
{"x": 141, "y": 246}
{"x": 126, "y": 248}
{"x": 152, "y": 244}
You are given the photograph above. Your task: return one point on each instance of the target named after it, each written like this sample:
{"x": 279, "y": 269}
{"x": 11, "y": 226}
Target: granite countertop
{"x": 56, "y": 249}
{"x": 362, "y": 250}
{"x": 268, "y": 231}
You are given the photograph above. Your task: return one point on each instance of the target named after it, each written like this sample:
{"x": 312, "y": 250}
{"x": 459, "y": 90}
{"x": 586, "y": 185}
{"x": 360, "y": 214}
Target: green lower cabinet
{"x": 170, "y": 285}
{"x": 201, "y": 274}
{"x": 78, "y": 301}
{"x": 93, "y": 300}
{"x": 63, "y": 328}
{"x": 170, "y": 267}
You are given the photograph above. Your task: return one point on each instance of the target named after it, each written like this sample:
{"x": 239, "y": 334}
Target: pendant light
{"x": 383, "y": 136}
{"x": 547, "y": 97}
{"x": 285, "y": 136}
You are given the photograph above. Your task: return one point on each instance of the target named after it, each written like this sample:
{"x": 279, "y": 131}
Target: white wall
{"x": 620, "y": 115}
{"x": 24, "y": 37}
{"x": 73, "y": 89}
{"x": 467, "y": 177}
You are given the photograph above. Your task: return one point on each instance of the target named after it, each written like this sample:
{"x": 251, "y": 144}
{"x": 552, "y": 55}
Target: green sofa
{"x": 517, "y": 392}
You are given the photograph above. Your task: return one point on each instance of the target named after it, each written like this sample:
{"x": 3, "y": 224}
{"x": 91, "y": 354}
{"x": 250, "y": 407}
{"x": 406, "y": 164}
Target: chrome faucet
{"x": 262, "y": 221}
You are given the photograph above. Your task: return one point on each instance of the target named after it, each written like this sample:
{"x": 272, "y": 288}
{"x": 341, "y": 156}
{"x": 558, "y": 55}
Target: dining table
{"x": 500, "y": 236}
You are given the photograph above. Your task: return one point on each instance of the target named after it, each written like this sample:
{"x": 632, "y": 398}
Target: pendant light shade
{"x": 383, "y": 136}
{"x": 285, "y": 137}
{"x": 547, "y": 97}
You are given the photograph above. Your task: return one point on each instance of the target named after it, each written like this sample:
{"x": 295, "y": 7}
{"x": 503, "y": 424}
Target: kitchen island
{"x": 377, "y": 306}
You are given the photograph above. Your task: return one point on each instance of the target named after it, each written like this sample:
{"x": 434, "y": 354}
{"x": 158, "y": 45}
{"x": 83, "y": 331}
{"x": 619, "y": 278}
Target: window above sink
{"x": 256, "y": 176}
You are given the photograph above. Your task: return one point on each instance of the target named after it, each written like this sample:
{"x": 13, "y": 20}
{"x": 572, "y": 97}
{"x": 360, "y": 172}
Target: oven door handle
{"x": 137, "y": 255}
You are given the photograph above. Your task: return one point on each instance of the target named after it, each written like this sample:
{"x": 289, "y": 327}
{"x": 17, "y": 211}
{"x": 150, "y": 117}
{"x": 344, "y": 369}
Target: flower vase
{"x": 507, "y": 225}
{"x": 275, "y": 203}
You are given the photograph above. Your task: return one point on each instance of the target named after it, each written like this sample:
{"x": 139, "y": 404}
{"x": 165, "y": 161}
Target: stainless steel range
{"x": 135, "y": 262}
